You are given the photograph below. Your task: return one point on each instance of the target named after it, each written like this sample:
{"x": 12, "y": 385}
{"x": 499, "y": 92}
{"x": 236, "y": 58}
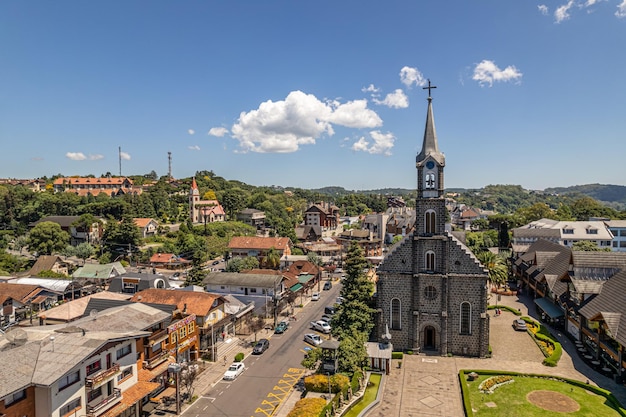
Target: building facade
{"x": 432, "y": 291}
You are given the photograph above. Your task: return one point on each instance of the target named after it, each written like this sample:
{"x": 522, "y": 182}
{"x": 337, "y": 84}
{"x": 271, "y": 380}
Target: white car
{"x": 320, "y": 326}
{"x": 313, "y": 339}
{"x": 234, "y": 370}
{"x": 315, "y": 296}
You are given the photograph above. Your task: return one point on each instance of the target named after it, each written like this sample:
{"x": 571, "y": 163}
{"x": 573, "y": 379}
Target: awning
{"x": 548, "y": 307}
{"x": 295, "y": 287}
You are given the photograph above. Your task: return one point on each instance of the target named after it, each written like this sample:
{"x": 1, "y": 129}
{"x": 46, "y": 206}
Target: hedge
{"x": 396, "y": 355}
{"x": 544, "y": 335}
{"x": 507, "y": 308}
{"x": 308, "y": 407}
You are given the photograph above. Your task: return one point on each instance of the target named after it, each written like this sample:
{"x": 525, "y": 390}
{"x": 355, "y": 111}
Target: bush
{"x": 239, "y": 357}
{"x": 308, "y": 407}
{"x": 319, "y": 383}
{"x": 396, "y": 355}
{"x": 507, "y": 308}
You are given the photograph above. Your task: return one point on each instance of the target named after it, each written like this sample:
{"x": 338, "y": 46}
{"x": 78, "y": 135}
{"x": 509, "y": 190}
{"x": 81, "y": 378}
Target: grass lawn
{"x": 511, "y": 399}
{"x": 368, "y": 397}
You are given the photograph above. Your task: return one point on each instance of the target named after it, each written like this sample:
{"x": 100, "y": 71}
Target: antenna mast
{"x": 169, "y": 165}
{"x": 119, "y": 152}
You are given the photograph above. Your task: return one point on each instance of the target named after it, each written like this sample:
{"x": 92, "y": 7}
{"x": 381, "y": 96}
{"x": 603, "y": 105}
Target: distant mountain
{"x": 611, "y": 195}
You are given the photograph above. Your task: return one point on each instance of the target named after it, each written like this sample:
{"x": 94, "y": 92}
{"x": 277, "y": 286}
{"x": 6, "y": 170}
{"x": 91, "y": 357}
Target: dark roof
{"x": 63, "y": 221}
{"x": 536, "y": 232}
{"x": 610, "y": 305}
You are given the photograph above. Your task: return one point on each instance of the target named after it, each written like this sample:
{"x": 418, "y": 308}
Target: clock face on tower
{"x": 430, "y": 164}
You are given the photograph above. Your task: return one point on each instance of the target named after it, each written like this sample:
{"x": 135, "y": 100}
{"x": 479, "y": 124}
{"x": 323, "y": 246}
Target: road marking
{"x": 429, "y": 360}
{"x": 280, "y": 392}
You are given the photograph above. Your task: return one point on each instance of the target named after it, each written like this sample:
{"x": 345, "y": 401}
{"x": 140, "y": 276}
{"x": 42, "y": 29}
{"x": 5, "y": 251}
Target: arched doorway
{"x": 430, "y": 337}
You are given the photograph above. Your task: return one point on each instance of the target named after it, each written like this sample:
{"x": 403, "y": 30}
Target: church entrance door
{"x": 429, "y": 338}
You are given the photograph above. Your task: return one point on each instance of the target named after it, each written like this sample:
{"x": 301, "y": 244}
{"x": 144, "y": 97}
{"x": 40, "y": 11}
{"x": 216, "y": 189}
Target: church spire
{"x": 430, "y": 146}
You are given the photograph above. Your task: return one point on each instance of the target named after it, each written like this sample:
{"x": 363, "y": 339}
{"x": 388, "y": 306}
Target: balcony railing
{"x": 157, "y": 360}
{"x": 98, "y": 378}
{"x": 114, "y": 398}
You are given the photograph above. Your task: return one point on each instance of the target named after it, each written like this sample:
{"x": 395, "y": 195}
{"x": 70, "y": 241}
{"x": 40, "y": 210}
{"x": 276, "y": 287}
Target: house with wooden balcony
{"x": 205, "y": 310}
{"x": 581, "y": 293}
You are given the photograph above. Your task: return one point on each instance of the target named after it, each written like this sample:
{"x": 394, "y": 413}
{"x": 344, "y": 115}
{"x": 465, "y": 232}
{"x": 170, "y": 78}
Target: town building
{"x": 564, "y": 233}
{"x": 244, "y": 246}
{"x": 431, "y": 290}
{"x": 618, "y": 230}
{"x": 83, "y": 186}
{"x": 581, "y": 293}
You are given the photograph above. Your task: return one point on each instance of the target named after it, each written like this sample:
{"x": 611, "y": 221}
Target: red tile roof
{"x": 263, "y": 243}
{"x": 198, "y": 303}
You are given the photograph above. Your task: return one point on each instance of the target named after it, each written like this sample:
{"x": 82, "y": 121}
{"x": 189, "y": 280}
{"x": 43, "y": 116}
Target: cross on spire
{"x": 430, "y": 87}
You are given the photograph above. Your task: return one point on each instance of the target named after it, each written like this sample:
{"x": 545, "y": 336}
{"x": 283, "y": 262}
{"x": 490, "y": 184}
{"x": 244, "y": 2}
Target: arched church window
{"x": 431, "y": 219}
{"x": 430, "y": 261}
{"x": 395, "y": 314}
{"x": 466, "y": 313}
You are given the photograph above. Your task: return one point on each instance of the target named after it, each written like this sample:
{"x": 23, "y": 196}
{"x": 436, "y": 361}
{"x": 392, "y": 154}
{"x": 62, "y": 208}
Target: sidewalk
{"x": 212, "y": 372}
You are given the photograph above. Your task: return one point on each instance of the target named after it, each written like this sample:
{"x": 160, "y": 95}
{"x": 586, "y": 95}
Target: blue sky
{"x": 313, "y": 94}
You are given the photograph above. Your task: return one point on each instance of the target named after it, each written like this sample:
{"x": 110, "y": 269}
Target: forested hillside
{"x": 612, "y": 195}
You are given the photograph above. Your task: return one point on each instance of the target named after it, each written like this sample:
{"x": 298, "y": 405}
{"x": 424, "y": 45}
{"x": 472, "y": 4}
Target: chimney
{"x": 185, "y": 308}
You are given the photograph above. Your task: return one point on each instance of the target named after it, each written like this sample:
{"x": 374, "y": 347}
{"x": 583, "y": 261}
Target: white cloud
{"x": 562, "y": 12}
{"x": 487, "y": 72}
{"x": 76, "y": 156}
{"x": 543, "y": 9}
{"x": 396, "y": 100}
{"x": 354, "y": 114}
{"x": 218, "y": 131}
{"x": 96, "y": 157}
{"x": 621, "y": 10}
{"x": 125, "y": 156}
{"x": 412, "y": 76}
{"x": 191, "y": 131}
{"x": 382, "y": 143}
{"x": 370, "y": 89}
{"x": 300, "y": 119}
{"x": 194, "y": 147}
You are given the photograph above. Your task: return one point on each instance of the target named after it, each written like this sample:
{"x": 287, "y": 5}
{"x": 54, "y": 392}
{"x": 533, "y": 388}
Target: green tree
{"x": 588, "y": 246}
{"x": 84, "y": 251}
{"x": 496, "y": 265}
{"x": 352, "y": 354}
{"x": 271, "y": 260}
{"x": 47, "y": 238}
{"x": 233, "y": 201}
{"x": 242, "y": 264}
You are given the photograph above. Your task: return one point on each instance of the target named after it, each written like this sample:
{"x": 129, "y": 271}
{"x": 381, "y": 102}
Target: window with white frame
{"x": 69, "y": 379}
{"x": 396, "y": 323}
{"x": 126, "y": 350}
{"x": 15, "y": 397}
{"x": 466, "y": 313}
{"x": 70, "y": 406}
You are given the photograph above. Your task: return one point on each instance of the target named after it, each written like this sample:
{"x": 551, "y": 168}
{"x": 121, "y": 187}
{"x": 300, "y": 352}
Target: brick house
{"x": 431, "y": 290}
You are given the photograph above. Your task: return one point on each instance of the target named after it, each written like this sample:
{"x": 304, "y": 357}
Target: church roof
{"x": 430, "y": 146}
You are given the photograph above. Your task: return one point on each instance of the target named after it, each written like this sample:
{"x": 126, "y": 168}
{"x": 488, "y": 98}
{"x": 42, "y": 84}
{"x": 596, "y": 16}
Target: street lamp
{"x": 330, "y": 394}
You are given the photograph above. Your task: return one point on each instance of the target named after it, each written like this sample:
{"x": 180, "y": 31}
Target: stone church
{"x": 431, "y": 290}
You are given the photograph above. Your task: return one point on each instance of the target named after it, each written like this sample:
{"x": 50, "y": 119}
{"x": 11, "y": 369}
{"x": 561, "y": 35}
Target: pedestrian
{"x": 224, "y": 360}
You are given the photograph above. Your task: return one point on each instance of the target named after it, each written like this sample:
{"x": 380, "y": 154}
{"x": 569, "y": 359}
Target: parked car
{"x": 519, "y": 324}
{"x": 216, "y": 262}
{"x": 281, "y": 327}
{"x": 176, "y": 275}
{"x": 329, "y": 310}
{"x": 233, "y": 371}
{"x": 325, "y": 319}
{"x": 315, "y": 296}
{"x": 313, "y": 339}
{"x": 261, "y": 346}
{"x": 328, "y": 285}
{"x": 339, "y": 300}
{"x": 320, "y": 326}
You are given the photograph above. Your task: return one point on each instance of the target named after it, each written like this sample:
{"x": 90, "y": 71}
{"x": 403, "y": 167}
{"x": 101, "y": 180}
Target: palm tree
{"x": 272, "y": 258}
{"x": 496, "y": 265}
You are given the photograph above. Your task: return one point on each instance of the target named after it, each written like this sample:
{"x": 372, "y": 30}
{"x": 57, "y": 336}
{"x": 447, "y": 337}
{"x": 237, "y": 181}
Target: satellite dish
{"x": 93, "y": 314}
{"x": 15, "y": 335}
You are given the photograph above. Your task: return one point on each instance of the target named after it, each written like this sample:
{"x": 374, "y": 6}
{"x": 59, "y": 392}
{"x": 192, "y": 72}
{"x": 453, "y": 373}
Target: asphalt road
{"x": 269, "y": 377}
